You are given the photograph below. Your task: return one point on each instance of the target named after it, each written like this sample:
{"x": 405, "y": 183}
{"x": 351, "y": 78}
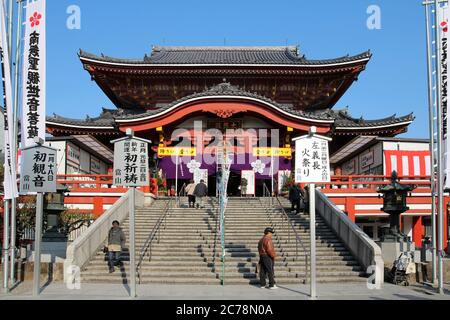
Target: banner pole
{"x": 10, "y": 28}
{"x": 439, "y": 148}
{"x": 312, "y": 229}
{"x": 37, "y": 244}
{"x": 132, "y": 243}
{"x": 176, "y": 179}
{"x": 15, "y": 130}
{"x": 6, "y": 246}
{"x": 431, "y": 99}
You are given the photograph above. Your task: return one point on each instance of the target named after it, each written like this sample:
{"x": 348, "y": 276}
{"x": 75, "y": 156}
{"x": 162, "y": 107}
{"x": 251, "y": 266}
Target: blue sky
{"x": 394, "y": 82}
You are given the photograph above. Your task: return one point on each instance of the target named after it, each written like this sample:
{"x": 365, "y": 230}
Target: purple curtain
{"x": 239, "y": 162}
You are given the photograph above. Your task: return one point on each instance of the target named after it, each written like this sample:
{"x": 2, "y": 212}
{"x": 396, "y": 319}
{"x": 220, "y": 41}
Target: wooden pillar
{"x": 98, "y": 206}
{"x": 350, "y": 208}
{"x": 418, "y": 231}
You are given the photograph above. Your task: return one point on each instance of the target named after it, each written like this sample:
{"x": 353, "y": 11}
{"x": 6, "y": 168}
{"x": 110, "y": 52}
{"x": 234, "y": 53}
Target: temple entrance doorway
{"x": 234, "y": 183}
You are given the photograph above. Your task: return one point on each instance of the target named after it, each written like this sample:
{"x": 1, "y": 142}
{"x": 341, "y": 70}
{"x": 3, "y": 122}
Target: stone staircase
{"x": 188, "y": 250}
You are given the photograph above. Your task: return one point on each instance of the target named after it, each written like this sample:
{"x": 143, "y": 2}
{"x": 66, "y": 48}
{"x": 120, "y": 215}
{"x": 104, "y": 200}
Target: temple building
{"x": 265, "y": 96}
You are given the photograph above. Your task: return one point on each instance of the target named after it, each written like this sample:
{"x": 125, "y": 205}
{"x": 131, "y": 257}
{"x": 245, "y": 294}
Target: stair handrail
{"x": 361, "y": 246}
{"x": 298, "y": 239}
{"x": 181, "y": 193}
{"x": 147, "y": 247}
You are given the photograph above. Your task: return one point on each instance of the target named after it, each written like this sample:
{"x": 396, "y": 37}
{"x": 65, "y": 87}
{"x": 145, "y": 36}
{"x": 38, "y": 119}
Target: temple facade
{"x": 236, "y": 102}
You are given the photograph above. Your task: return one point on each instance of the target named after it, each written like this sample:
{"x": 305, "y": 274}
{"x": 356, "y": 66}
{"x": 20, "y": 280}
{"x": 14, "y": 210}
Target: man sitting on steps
{"x": 267, "y": 257}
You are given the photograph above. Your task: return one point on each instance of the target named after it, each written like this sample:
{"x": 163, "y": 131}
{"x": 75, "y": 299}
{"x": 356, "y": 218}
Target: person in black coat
{"x": 294, "y": 198}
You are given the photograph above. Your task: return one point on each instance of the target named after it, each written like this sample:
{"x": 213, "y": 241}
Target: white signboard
{"x": 248, "y": 175}
{"x": 38, "y": 170}
{"x": 312, "y": 161}
{"x": 131, "y": 163}
{"x": 201, "y": 174}
{"x": 33, "y": 82}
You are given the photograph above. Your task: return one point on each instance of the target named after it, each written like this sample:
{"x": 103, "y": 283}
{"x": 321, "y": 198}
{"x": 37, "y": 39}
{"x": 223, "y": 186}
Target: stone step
{"x": 321, "y": 261}
{"x": 189, "y": 281}
{"x": 229, "y": 269}
{"x": 208, "y": 274}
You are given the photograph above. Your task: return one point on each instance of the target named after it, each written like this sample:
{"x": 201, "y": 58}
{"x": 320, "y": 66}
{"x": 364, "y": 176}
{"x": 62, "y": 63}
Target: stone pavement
{"x": 357, "y": 291}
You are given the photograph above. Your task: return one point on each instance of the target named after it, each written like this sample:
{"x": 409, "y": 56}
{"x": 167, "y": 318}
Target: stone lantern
{"x": 54, "y": 206}
{"x": 394, "y": 242}
{"x": 394, "y": 203}
{"x": 54, "y": 243}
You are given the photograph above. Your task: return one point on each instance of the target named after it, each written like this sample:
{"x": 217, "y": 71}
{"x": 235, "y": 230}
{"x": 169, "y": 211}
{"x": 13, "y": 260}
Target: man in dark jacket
{"x": 267, "y": 257}
{"x": 116, "y": 241}
{"x": 200, "y": 191}
{"x": 295, "y": 198}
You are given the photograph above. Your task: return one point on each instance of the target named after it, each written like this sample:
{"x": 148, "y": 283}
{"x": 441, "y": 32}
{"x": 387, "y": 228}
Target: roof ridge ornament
{"x": 224, "y": 87}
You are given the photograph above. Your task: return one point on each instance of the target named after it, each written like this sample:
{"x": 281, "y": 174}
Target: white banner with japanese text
{"x": 10, "y": 184}
{"x": 34, "y": 73}
{"x": 443, "y": 13}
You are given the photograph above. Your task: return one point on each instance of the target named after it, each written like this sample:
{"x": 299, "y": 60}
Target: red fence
{"x": 355, "y": 194}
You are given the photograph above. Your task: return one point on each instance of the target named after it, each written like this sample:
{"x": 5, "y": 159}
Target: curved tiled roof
{"x": 222, "y": 55}
{"x": 344, "y": 120}
{"x": 105, "y": 120}
{"x": 226, "y": 89}
{"x": 341, "y": 118}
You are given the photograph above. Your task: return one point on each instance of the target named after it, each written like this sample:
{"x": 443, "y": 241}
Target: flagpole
{"x": 10, "y": 27}
{"x": 439, "y": 147}
{"x": 6, "y": 202}
{"x": 15, "y": 130}
{"x": 431, "y": 95}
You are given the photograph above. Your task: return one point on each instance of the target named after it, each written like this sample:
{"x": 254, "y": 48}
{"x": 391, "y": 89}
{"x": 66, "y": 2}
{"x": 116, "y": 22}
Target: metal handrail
{"x": 181, "y": 193}
{"x": 147, "y": 247}
{"x": 298, "y": 240}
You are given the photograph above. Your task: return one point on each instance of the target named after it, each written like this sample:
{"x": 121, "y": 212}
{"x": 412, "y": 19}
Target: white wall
{"x": 412, "y": 146}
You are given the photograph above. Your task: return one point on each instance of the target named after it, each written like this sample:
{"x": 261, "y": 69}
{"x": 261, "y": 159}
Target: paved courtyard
{"x": 355, "y": 291}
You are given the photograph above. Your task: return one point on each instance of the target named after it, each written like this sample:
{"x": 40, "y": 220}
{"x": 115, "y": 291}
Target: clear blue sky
{"x": 394, "y": 82}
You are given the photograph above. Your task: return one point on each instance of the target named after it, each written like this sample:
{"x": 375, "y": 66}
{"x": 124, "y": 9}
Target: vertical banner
{"x": 34, "y": 74}
{"x": 443, "y": 12}
{"x": 131, "y": 163}
{"x": 10, "y": 184}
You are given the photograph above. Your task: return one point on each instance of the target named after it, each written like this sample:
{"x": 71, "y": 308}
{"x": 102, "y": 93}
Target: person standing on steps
{"x": 190, "y": 193}
{"x": 200, "y": 191}
{"x": 295, "y": 197}
{"x": 116, "y": 241}
{"x": 305, "y": 196}
{"x": 267, "y": 256}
